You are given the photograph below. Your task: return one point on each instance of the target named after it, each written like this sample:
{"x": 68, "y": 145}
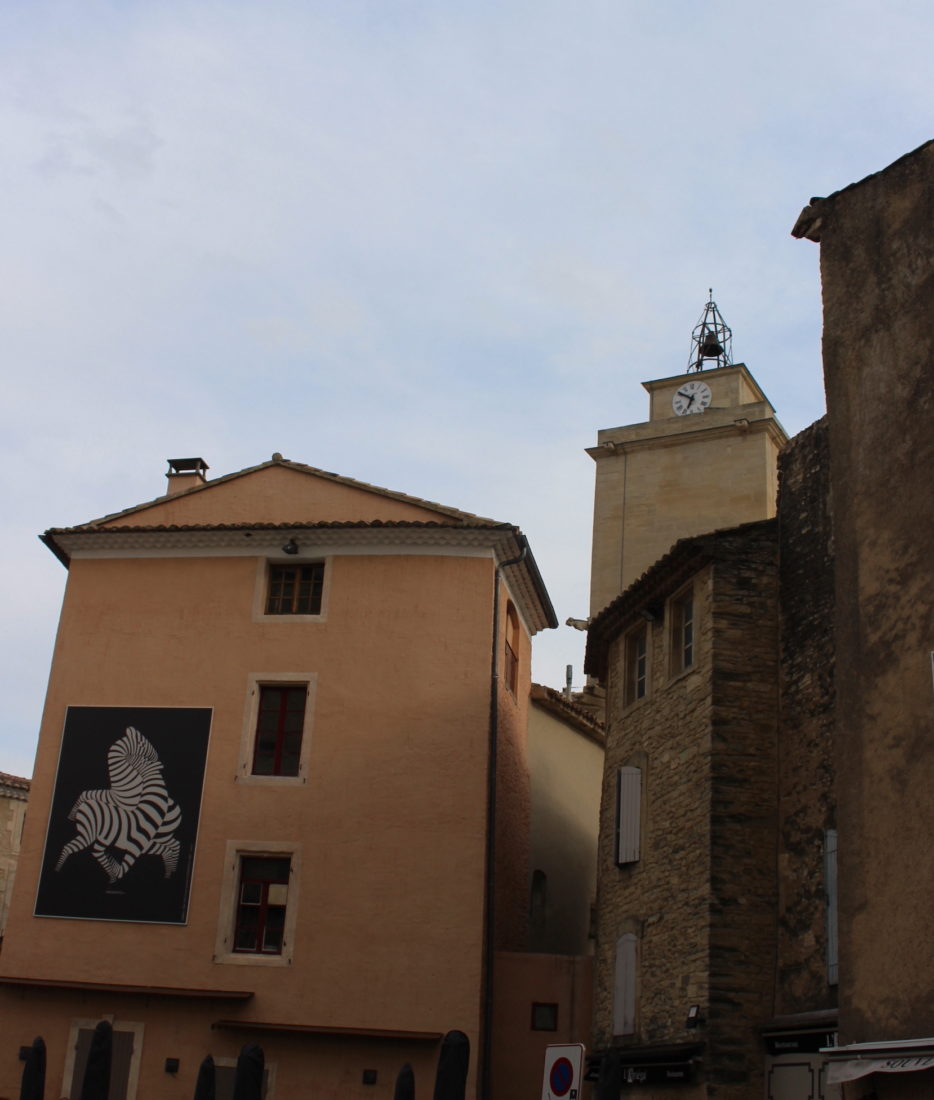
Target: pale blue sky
{"x": 430, "y": 245}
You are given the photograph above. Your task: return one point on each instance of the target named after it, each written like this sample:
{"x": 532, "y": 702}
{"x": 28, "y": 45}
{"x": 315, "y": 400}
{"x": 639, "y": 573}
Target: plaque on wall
{"x": 123, "y": 822}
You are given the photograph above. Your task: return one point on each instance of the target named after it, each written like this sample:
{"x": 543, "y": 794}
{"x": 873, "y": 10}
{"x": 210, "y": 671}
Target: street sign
{"x": 563, "y": 1065}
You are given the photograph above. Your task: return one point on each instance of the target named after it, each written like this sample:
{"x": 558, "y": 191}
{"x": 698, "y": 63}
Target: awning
{"x": 857, "y": 1060}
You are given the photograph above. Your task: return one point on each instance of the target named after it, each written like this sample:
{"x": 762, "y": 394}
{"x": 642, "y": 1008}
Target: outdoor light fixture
{"x": 694, "y": 1017}
{"x": 171, "y": 1065}
{"x": 291, "y": 547}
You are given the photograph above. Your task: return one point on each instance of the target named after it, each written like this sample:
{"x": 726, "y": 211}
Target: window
{"x": 511, "y": 661}
{"x": 636, "y": 661}
{"x": 681, "y": 612}
{"x": 628, "y": 814}
{"x": 544, "y": 1017}
{"x": 624, "y": 985}
{"x": 295, "y": 589}
{"x": 262, "y": 896}
{"x": 280, "y": 722}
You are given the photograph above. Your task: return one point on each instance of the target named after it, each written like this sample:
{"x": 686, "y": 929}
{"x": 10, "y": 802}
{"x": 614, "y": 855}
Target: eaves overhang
{"x": 646, "y": 595}
{"x": 501, "y": 540}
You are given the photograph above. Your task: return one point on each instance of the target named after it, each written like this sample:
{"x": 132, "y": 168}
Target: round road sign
{"x": 561, "y": 1077}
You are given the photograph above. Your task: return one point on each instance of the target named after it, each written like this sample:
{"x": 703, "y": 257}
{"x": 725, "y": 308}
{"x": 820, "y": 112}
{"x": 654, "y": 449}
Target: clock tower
{"x": 706, "y": 458}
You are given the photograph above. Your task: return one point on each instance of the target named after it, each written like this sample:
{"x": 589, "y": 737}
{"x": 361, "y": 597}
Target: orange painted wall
{"x": 276, "y": 494}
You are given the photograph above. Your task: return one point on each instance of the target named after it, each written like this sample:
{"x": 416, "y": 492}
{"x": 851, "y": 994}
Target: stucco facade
{"x": 877, "y": 273}
{"x": 398, "y": 891}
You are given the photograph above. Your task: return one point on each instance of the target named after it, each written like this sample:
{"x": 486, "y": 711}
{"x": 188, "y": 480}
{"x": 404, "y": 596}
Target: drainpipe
{"x": 490, "y": 907}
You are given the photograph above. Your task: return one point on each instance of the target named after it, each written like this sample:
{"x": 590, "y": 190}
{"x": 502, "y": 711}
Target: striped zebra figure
{"x": 134, "y": 817}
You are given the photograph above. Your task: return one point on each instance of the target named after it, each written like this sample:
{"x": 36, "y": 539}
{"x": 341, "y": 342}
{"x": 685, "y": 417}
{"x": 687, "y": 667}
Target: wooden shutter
{"x": 624, "y": 985}
{"x": 830, "y": 885}
{"x": 628, "y": 814}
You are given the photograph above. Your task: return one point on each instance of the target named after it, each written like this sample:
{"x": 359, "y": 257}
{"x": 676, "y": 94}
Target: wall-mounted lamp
{"x": 171, "y": 1065}
{"x": 694, "y": 1017}
{"x": 291, "y": 547}
{"x": 370, "y": 1076}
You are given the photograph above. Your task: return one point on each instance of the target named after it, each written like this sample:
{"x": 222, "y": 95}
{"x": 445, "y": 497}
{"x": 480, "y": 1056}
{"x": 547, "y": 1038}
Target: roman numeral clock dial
{"x": 692, "y": 397}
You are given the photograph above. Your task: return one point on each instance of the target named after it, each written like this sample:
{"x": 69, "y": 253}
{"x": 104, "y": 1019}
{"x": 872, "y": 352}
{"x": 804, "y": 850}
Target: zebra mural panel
{"x": 124, "y": 817}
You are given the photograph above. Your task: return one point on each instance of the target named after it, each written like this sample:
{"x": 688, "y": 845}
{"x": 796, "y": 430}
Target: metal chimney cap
{"x": 187, "y": 466}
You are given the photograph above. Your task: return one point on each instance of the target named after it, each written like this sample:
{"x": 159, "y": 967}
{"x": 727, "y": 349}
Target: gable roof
{"x": 414, "y": 527}
{"x": 683, "y": 560}
{"x": 441, "y": 510}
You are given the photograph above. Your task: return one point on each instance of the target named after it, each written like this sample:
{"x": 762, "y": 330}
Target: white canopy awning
{"x": 849, "y": 1063}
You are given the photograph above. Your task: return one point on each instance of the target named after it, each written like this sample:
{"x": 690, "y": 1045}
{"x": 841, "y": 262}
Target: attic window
{"x": 295, "y": 589}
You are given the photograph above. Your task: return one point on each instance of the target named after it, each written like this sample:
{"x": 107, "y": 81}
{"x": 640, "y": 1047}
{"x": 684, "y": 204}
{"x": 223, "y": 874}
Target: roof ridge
{"x": 298, "y": 467}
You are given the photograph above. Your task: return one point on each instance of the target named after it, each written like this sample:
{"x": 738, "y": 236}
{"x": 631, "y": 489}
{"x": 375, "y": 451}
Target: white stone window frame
{"x": 261, "y": 587}
{"x": 268, "y": 1067}
{"x": 138, "y": 1028}
{"x": 224, "y": 953}
{"x": 255, "y": 681}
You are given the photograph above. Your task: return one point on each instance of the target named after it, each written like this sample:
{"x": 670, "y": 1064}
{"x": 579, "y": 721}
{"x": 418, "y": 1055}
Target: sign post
{"x": 563, "y": 1071}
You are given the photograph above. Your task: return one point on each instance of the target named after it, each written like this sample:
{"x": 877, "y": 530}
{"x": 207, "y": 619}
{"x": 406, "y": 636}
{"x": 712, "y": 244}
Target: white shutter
{"x": 628, "y": 814}
{"x": 624, "y": 985}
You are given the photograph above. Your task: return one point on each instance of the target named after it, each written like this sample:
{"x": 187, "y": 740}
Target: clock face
{"x": 692, "y": 397}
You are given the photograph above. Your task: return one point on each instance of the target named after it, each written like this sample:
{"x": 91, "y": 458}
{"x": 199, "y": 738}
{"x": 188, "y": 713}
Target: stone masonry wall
{"x": 806, "y": 795}
{"x": 702, "y": 897}
{"x": 743, "y": 890}
{"x": 663, "y": 897}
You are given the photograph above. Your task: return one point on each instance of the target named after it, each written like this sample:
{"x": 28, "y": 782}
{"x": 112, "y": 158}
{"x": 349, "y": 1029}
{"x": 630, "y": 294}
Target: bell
{"x": 710, "y": 347}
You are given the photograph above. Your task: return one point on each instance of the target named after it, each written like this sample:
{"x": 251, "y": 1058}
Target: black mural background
{"x": 82, "y": 888}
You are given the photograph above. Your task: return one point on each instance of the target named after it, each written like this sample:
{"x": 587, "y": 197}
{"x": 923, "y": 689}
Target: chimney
{"x": 185, "y": 473}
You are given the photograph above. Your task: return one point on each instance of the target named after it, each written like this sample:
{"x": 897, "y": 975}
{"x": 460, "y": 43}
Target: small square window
{"x": 681, "y": 614}
{"x": 261, "y": 904}
{"x": 280, "y": 722}
{"x": 544, "y": 1017}
{"x": 636, "y": 660}
{"x": 295, "y": 589}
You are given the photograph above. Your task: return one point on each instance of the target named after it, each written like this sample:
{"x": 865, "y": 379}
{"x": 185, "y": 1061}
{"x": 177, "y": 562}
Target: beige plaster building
{"x": 14, "y": 793}
{"x": 566, "y": 746}
{"x": 282, "y": 791}
{"x": 680, "y": 474}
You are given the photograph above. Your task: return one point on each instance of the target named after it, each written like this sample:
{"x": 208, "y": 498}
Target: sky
{"x": 430, "y": 245}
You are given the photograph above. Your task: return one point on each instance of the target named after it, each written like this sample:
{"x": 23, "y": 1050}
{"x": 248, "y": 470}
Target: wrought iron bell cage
{"x": 711, "y": 340}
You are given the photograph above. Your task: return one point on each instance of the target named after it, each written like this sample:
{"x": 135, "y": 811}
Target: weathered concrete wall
{"x": 806, "y": 773}
{"x": 877, "y": 270}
